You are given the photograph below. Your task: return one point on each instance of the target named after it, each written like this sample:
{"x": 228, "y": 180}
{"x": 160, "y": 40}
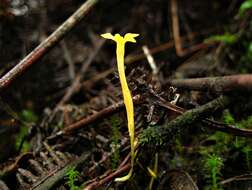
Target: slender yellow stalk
{"x": 120, "y": 51}
{"x": 153, "y": 172}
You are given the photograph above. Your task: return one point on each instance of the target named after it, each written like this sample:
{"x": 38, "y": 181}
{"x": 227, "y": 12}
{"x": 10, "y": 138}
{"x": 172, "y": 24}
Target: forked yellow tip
{"x": 129, "y": 37}
{"x": 108, "y": 36}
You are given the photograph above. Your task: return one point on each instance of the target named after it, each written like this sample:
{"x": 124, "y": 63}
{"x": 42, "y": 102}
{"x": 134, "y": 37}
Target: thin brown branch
{"x": 88, "y": 84}
{"x": 198, "y": 113}
{"x": 76, "y": 84}
{"x": 215, "y": 125}
{"x": 175, "y": 28}
{"x": 216, "y": 84}
{"x": 123, "y": 167}
{"x": 46, "y": 45}
{"x": 244, "y": 177}
{"x": 57, "y": 174}
{"x": 109, "y": 178}
{"x": 96, "y": 116}
{"x": 68, "y": 59}
{"x": 131, "y": 58}
{"x": 169, "y": 131}
{"x": 176, "y": 33}
{"x": 228, "y": 128}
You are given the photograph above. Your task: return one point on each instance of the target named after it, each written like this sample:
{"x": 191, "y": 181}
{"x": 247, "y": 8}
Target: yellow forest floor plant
{"x": 120, "y": 51}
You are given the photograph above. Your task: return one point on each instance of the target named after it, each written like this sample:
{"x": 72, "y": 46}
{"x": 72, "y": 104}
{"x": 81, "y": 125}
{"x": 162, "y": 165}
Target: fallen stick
{"x": 230, "y": 129}
{"x": 176, "y": 33}
{"x": 46, "y": 45}
{"x": 54, "y": 176}
{"x": 215, "y": 125}
{"x": 76, "y": 83}
{"x": 176, "y": 28}
{"x": 109, "y": 178}
{"x": 216, "y": 84}
{"x": 92, "y": 118}
{"x": 169, "y": 131}
{"x": 197, "y": 114}
{"x": 243, "y": 177}
{"x": 123, "y": 167}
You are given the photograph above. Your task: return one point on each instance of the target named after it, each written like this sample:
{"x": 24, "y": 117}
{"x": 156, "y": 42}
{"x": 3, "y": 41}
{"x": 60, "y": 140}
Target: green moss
{"x": 213, "y": 165}
{"x": 225, "y": 142}
{"x": 245, "y": 123}
{"x": 115, "y": 123}
{"x": 228, "y": 118}
{"x": 150, "y": 135}
{"x": 20, "y": 139}
{"x": 248, "y": 156}
{"x": 244, "y": 65}
{"x": 28, "y": 117}
{"x": 72, "y": 176}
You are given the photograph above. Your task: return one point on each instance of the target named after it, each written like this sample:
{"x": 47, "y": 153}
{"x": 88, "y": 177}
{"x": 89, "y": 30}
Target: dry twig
{"x": 244, "y": 177}
{"x": 175, "y": 127}
{"x": 216, "y": 84}
{"x": 176, "y": 33}
{"x": 109, "y": 178}
{"x": 46, "y": 45}
{"x": 96, "y": 116}
{"x": 210, "y": 123}
{"x": 76, "y": 84}
{"x": 123, "y": 167}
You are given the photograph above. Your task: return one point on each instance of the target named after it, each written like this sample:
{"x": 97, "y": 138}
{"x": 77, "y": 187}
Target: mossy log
{"x": 159, "y": 135}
